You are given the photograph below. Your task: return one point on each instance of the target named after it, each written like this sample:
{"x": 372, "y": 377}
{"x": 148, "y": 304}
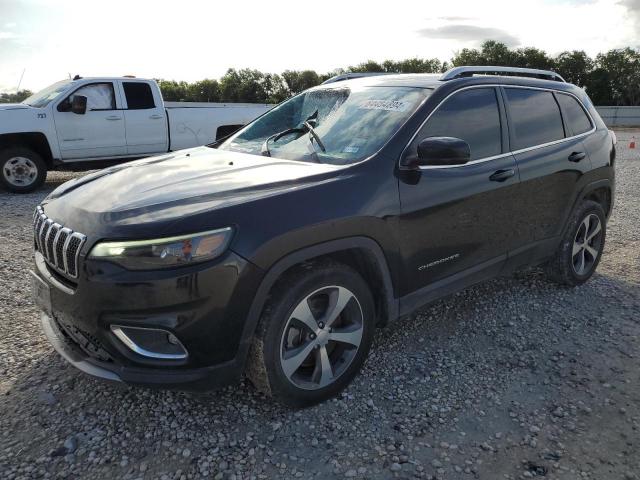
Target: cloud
{"x": 455, "y": 19}
{"x": 633, "y": 9}
{"x": 470, "y": 33}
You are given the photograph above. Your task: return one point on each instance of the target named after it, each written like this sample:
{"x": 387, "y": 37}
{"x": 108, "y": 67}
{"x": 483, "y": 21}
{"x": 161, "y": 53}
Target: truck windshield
{"x": 43, "y": 97}
{"x": 351, "y": 123}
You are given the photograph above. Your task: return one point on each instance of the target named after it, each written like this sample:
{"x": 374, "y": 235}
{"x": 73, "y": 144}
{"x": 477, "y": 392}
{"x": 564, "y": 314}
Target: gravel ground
{"x": 515, "y": 378}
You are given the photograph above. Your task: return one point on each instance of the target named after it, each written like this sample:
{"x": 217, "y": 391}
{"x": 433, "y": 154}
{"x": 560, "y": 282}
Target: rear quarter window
{"x": 574, "y": 114}
{"x": 535, "y": 117}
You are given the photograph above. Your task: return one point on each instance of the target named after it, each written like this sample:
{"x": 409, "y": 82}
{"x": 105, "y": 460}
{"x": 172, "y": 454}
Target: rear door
{"x": 458, "y": 218}
{"x": 145, "y": 118}
{"x": 551, "y": 159}
{"x": 99, "y": 132}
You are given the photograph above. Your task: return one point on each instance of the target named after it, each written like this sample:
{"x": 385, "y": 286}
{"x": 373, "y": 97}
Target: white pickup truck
{"x": 88, "y": 123}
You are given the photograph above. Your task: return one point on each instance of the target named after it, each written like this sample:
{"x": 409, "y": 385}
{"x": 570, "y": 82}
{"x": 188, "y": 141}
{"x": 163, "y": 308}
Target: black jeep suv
{"x": 277, "y": 252}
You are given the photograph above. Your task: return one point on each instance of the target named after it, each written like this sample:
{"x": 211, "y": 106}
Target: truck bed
{"x": 194, "y": 123}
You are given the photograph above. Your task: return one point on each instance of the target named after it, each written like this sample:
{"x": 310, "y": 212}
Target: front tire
{"x": 314, "y": 334}
{"x": 579, "y": 253}
{"x": 21, "y": 170}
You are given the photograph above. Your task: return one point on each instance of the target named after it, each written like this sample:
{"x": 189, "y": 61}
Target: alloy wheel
{"x": 586, "y": 244}
{"x": 321, "y": 337}
{"x": 20, "y": 171}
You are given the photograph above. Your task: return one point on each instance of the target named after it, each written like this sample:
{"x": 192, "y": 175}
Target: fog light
{"x": 151, "y": 342}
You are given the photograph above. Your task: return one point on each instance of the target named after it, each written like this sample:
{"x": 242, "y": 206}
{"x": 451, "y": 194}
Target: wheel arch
{"x": 37, "y": 141}
{"x": 361, "y": 253}
{"x": 600, "y": 191}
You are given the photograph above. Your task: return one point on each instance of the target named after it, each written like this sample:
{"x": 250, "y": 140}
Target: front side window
{"x": 100, "y": 96}
{"x": 471, "y": 115}
{"x": 535, "y": 117}
{"x": 575, "y": 116}
{"x": 139, "y": 95}
{"x": 351, "y": 122}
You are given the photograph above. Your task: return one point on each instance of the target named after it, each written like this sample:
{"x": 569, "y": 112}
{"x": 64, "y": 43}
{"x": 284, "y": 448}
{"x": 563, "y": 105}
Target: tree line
{"x": 610, "y": 78}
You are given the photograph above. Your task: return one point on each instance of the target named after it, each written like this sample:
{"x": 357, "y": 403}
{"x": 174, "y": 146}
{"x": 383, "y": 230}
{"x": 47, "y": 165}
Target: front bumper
{"x": 189, "y": 379}
{"x": 205, "y": 306}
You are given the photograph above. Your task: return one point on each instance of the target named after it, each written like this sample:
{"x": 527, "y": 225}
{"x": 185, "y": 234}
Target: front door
{"x": 458, "y": 219}
{"x": 99, "y": 132}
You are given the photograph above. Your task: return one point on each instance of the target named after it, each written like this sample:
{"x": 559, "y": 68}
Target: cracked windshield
{"x": 330, "y": 125}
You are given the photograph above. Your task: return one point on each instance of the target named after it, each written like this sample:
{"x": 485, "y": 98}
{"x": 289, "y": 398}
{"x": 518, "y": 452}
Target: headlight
{"x": 164, "y": 252}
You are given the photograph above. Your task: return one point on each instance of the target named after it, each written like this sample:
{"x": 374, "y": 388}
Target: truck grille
{"x": 60, "y": 246}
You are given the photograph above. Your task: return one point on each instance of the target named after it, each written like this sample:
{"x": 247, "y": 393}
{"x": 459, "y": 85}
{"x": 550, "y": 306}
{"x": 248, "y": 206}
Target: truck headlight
{"x": 164, "y": 252}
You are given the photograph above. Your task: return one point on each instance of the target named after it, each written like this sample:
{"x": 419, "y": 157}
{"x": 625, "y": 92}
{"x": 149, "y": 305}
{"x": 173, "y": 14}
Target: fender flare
{"x": 582, "y": 194}
{"x": 308, "y": 253}
{"x": 590, "y": 187}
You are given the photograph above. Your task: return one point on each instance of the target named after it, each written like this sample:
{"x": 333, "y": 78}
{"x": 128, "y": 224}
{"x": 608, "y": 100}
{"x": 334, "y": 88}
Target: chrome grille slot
{"x": 51, "y": 236}
{"x": 59, "y": 245}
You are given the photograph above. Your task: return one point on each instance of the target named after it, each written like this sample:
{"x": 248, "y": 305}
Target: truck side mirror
{"x": 439, "y": 151}
{"x": 79, "y": 104}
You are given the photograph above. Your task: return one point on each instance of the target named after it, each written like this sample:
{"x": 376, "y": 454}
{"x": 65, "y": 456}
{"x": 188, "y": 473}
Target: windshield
{"x": 351, "y": 123}
{"x": 43, "y": 97}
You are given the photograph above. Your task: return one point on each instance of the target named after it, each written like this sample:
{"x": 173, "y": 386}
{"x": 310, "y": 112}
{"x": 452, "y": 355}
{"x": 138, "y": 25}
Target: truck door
{"x": 145, "y": 118}
{"x": 99, "y": 132}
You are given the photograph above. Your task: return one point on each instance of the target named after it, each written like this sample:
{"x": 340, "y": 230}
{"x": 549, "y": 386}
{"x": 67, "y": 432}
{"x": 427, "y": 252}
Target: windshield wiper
{"x": 277, "y": 136}
{"x": 314, "y": 135}
{"x": 306, "y": 127}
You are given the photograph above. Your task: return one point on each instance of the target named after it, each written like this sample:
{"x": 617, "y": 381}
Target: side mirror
{"x": 79, "y": 104}
{"x": 440, "y": 151}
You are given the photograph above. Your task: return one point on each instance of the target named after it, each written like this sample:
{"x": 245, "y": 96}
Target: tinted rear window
{"x": 575, "y": 116}
{"x": 139, "y": 95}
{"x": 535, "y": 117}
{"x": 471, "y": 115}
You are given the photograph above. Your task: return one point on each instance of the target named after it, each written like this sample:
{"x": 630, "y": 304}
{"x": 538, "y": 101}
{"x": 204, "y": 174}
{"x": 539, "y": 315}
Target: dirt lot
{"x": 516, "y": 378}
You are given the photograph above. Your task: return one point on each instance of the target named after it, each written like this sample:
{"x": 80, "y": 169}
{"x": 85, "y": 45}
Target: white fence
{"x": 620, "y": 116}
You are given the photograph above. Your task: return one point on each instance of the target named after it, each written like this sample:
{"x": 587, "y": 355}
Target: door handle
{"x": 155, "y": 117}
{"x": 114, "y": 117}
{"x": 502, "y": 175}
{"x": 577, "y": 156}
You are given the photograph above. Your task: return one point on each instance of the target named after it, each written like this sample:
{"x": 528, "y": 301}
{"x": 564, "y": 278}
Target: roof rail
{"x": 350, "y": 75}
{"x": 458, "y": 72}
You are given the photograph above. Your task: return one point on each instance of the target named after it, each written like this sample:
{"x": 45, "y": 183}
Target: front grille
{"x": 59, "y": 245}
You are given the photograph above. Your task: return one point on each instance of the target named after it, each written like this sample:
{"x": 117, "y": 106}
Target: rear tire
{"x": 314, "y": 334}
{"x": 581, "y": 248}
{"x": 21, "y": 170}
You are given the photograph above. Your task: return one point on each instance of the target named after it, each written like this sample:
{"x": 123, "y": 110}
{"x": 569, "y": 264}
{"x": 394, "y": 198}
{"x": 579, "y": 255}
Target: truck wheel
{"x": 581, "y": 249}
{"x": 314, "y": 334}
{"x": 21, "y": 169}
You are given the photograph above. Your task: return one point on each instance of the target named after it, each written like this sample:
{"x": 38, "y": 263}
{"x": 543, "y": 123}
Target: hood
{"x": 175, "y": 185}
{"x": 14, "y": 106}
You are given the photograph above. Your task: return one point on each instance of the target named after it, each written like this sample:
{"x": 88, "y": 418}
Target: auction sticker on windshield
{"x": 388, "y": 105}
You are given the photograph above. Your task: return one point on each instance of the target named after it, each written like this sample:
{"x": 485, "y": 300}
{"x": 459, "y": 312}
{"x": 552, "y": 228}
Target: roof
{"x": 433, "y": 81}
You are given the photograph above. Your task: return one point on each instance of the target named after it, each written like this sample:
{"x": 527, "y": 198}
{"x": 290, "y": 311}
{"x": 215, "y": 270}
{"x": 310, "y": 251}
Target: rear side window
{"x": 535, "y": 117}
{"x": 575, "y": 116}
{"x": 471, "y": 115}
{"x": 139, "y": 95}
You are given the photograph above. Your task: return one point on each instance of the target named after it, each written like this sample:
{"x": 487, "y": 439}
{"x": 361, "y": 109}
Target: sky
{"x": 192, "y": 40}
